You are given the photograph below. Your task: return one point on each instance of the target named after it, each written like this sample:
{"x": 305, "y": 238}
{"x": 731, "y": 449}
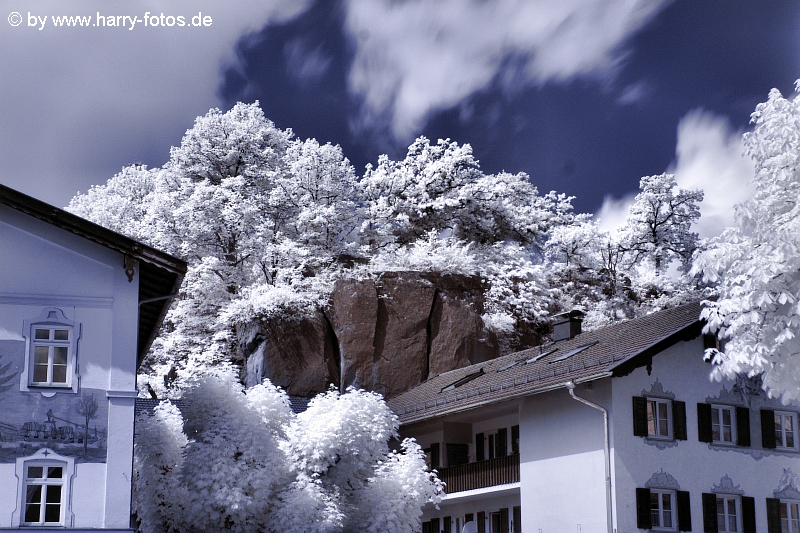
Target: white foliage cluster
{"x": 268, "y": 223}
{"x": 242, "y": 461}
{"x": 756, "y": 264}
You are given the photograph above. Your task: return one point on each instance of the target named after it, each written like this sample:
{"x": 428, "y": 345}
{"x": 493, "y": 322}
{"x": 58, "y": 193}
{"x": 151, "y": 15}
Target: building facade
{"x": 79, "y": 307}
{"x": 620, "y": 429}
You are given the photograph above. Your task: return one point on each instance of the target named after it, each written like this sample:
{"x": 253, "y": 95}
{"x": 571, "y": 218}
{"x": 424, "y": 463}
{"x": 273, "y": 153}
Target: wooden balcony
{"x": 482, "y": 474}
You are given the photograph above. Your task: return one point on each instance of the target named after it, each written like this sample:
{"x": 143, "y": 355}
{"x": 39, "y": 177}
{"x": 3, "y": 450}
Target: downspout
{"x": 606, "y": 449}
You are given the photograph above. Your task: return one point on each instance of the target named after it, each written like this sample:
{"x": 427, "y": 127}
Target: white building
{"x": 679, "y": 452}
{"x": 79, "y": 307}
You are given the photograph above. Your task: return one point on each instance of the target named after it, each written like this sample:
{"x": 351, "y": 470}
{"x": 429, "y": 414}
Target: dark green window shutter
{"x": 501, "y": 443}
{"x": 457, "y": 454}
{"x": 517, "y": 521}
{"x": 426, "y": 527}
{"x": 743, "y": 426}
{"x": 748, "y": 514}
{"x": 643, "y": 508}
{"x": 773, "y": 515}
{"x": 447, "y": 524}
{"x": 469, "y": 517}
{"x": 679, "y": 420}
{"x": 504, "y": 520}
{"x": 704, "y": 423}
{"x": 481, "y": 522}
{"x": 514, "y": 440}
{"x": 639, "y": 416}
{"x": 767, "y": 428}
{"x": 435, "y": 525}
{"x": 709, "y": 513}
{"x": 479, "y": 453}
{"x": 684, "y": 511}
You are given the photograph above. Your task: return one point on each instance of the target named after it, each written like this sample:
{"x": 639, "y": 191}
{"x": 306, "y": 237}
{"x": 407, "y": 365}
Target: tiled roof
{"x": 612, "y": 350}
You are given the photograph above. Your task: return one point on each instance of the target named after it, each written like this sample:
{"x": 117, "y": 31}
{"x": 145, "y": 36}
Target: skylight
{"x": 539, "y": 356}
{"x": 572, "y": 352}
{"x": 462, "y": 381}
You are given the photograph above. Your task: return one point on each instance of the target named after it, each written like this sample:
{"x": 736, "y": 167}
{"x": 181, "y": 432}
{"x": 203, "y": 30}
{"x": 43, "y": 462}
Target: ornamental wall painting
{"x": 73, "y": 425}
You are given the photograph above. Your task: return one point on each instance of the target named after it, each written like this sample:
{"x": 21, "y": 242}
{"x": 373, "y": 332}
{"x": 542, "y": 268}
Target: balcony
{"x": 482, "y": 474}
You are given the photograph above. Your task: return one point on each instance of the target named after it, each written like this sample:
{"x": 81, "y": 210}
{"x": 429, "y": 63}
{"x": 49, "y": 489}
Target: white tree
{"x": 245, "y": 462}
{"x": 757, "y": 263}
{"x": 658, "y": 227}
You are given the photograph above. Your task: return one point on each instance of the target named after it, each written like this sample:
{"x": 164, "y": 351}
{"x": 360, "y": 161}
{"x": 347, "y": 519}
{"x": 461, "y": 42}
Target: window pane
{"x": 40, "y": 373}
{"x": 53, "y": 494}
{"x": 52, "y": 513}
{"x": 655, "y": 519}
{"x": 663, "y": 420}
{"x": 32, "y": 512}
{"x": 54, "y": 472}
{"x": 62, "y": 335}
{"x": 732, "y": 514}
{"x": 715, "y": 432}
{"x": 651, "y": 418}
{"x": 33, "y": 494}
{"x": 60, "y": 355}
{"x": 59, "y": 374}
{"x": 42, "y": 334}
{"x": 727, "y": 435}
{"x": 666, "y": 508}
{"x": 35, "y": 472}
{"x": 40, "y": 354}
{"x": 788, "y": 426}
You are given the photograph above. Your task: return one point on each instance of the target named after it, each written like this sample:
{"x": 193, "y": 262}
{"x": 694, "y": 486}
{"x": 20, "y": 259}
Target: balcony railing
{"x": 482, "y": 474}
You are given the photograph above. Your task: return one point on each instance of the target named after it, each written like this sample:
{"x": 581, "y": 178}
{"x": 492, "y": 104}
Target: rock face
{"x": 385, "y": 334}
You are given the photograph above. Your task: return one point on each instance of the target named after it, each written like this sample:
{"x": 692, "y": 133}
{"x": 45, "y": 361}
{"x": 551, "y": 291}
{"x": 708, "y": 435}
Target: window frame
{"x": 45, "y": 458}
{"x": 45, "y": 482}
{"x": 660, "y": 511}
{"x": 737, "y": 503}
{"x": 670, "y": 423}
{"x": 51, "y": 319}
{"x": 733, "y": 431}
{"x": 780, "y": 443}
{"x": 784, "y": 505}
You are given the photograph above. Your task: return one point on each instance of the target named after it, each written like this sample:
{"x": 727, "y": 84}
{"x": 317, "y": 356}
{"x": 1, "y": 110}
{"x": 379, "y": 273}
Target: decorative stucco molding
{"x": 788, "y": 486}
{"x": 657, "y": 391}
{"x": 662, "y": 480}
{"x": 726, "y": 486}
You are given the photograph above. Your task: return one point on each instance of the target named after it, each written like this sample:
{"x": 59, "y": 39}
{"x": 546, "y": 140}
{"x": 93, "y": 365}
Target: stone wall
{"x": 385, "y": 334}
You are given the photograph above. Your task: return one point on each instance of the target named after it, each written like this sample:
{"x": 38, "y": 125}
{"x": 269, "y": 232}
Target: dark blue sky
{"x": 586, "y": 96}
{"x": 574, "y": 137}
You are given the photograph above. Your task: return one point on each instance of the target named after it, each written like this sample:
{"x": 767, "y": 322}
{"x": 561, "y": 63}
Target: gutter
{"x": 606, "y": 452}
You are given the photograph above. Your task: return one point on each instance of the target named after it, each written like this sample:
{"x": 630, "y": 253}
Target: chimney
{"x": 567, "y": 325}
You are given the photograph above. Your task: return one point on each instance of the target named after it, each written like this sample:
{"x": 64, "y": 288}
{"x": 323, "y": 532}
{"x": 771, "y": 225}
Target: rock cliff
{"x": 385, "y": 334}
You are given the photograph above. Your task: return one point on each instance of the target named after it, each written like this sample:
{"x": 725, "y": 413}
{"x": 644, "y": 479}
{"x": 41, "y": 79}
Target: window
{"x": 52, "y": 344}
{"x": 785, "y": 430}
{"x": 44, "y": 494}
{"x": 662, "y": 509}
{"x": 659, "y": 418}
{"x": 790, "y": 516}
{"x": 722, "y": 424}
{"x": 727, "y": 513}
{"x": 43, "y": 490}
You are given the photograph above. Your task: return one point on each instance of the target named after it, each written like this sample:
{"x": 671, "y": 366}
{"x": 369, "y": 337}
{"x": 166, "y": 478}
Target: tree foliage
{"x": 756, "y": 264}
{"x": 242, "y": 461}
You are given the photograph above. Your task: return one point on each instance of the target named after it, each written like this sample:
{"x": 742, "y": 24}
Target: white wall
{"x": 44, "y": 266}
{"x": 562, "y": 470}
{"x": 695, "y": 465}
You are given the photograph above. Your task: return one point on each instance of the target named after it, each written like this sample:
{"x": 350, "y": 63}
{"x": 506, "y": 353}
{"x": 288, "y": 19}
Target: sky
{"x": 585, "y": 96}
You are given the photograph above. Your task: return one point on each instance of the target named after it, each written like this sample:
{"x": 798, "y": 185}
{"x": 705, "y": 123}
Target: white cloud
{"x": 306, "y": 64}
{"x": 418, "y": 56}
{"x": 80, "y": 102}
{"x": 633, "y": 93}
{"x": 613, "y": 212}
{"x": 710, "y": 156}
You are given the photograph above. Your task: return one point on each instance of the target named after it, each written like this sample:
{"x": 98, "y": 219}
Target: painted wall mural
{"x": 74, "y": 425}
